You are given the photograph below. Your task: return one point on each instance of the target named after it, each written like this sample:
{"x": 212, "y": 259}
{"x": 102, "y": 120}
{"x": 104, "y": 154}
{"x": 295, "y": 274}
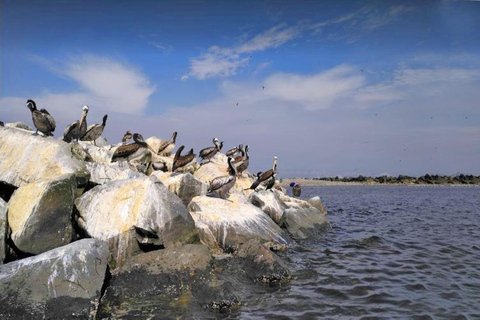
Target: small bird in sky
{"x": 237, "y": 103}
{"x": 263, "y": 87}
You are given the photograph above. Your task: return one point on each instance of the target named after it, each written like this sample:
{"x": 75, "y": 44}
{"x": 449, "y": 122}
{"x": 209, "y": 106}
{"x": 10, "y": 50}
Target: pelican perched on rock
{"x": 256, "y": 183}
{"x": 243, "y": 162}
{"x": 234, "y": 151}
{"x": 132, "y": 150}
{"x": 208, "y": 153}
{"x": 265, "y": 175}
{"x": 42, "y": 120}
{"x": 223, "y": 184}
{"x": 167, "y": 147}
{"x": 95, "y": 131}
{"x": 77, "y": 129}
{"x": 180, "y": 161}
{"x": 127, "y": 136}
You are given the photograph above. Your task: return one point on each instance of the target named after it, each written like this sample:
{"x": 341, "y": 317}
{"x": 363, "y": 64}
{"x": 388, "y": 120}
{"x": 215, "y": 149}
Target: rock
{"x": 40, "y": 214}
{"x": 19, "y": 125}
{"x": 159, "y": 159}
{"x": 270, "y": 203}
{"x": 157, "y": 216}
{"x": 3, "y": 230}
{"x": 173, "y": 280}
{"x": 100, "y": 142}
{"x": 26, "y": 158}
{"x": 235, "y": 221}
{"x": 101, "y": 173}
{"x": 184, "y": 185}
{"x": 62, "y": 283}
{"x": 99, "y": 154}
{"x": 6, "y": 191}
{"x": 301, "y": 218}
{"x": 260, "y": 264}
{"x": 155, "y": 142}
{"x": 317, "y": 203}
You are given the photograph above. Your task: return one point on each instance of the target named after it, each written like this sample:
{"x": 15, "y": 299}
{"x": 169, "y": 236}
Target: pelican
{"x": 208, "y": 153}
{"x": 223, "y": 184}
{"x": 180, "y": 161}
{"x": 167, "y": 147}
{"x": 266, "y": 175}
{"x": 127, "y": 136}
{"x": 234, "y": 151}
{"x": 95, "y": 131}
{"x": 77, "y": 129}
{"x": 243, "y": 164}
{"x": 132, "y": 150}
{"x": 42, "y": 120}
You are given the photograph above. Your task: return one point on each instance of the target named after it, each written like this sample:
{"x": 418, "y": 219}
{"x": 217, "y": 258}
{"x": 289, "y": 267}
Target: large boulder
{"x": 3, "y": 230}
{"x": 301, "y": 218}
{"x": 235, "y": 221}
{"x": 19, "y": 125}
{"x": 63, "y": 283}
{"x": 113, "y": 210}
{"x": 40, "y": 213}
{"x": 101, "y": 173}
{"x": 184, "y": 185}
{"x": 270, "y": 203}
{"x": 173, "y": 280}
{"x": 317, "y": 203}
{"x": 26, "y": 158}
{"x": 100, "y": 154}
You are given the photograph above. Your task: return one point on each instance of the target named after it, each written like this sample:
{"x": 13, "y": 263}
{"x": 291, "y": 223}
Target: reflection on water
{"x": 392, "y": 252}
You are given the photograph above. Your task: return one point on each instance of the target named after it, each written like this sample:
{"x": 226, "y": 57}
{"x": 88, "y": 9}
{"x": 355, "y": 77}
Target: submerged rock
{"x": 235, "y": 221}
{"x": 270, "y": 203}
{"x": 158, "y": 217}
{"x": 171, "y": 280}
{"x": 26, "y": 158}
{"x": 185, "y": 185}
{"x": 3, "y": 230}
{"x": 40, "y": 214}
{"x": 62, "y": 283}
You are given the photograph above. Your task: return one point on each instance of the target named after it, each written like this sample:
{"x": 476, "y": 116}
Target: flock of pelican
{"x": 238, "y": 158}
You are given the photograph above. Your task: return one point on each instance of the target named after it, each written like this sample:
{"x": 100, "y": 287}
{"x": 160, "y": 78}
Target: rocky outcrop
{"x": 172, "y": 279}
{"x": 270, "y": 203}
{"x": 25, "y": 158}
{"x": 98, "y": 153}
{"x": 101, "y": 173}
{"x": 109, "y": 212}
{"x": 40, "y": 214}
{"x": 184, "y": 185}
{"x": 63, "y": 283}
{"x": 301, "y": 218}
{"x": 235, "y": 221}
{"x": 3, "y": 230}
{"x": 19, "y": 125}
{"x": 317, "y": 203}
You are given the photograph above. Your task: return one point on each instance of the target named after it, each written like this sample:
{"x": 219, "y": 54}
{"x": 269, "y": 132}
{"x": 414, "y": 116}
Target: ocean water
{"x": 393, "y": 252}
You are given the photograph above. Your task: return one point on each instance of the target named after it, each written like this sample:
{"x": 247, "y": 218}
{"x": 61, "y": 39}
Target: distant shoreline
{"x": 326, "y": 183}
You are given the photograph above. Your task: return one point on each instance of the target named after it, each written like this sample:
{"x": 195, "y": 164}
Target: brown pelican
{"x": 208, "y": 153}
{"x": 77, "y": 129}
{"x": 180, "y": 161}
{"x": 243, "y": 164}
{"x": 234, "y": 151}
{"x": 223, "y": 184}
{"x": 167, "y": 147}
{"x": 132, "y": 150}
{"x": 42, "y": 120}
{"x": 266, "y": 175}
{"x": 127, "y": 136}
{"x": 95, "y": 131}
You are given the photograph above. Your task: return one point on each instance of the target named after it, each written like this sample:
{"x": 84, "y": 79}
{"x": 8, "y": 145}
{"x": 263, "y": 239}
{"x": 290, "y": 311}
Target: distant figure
{"x": 77, "y": 129}
{"x": 127, "y": 136}
{"x": 95, "y": 131}
{"x": 42, "y": 120}
{"x": 296, "y": 189}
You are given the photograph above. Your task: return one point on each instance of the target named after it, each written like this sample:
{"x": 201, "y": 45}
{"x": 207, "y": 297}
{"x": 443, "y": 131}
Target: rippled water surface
{"x": 393, "y": 252}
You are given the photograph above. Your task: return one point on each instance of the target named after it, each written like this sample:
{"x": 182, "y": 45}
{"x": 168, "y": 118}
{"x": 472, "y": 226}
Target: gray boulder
{"x": 235, "y": 221}
{"x": 317, "y": 203}
{"x": 270, "y": 203}
{"x": 25, "y": 158}
{"x": 3, "y": 230}
{"x": 101, "y": 173}
{"x": 301, "y": 218}
{"x": 40, "y": 213}
{"x": 63, "y": 283}
{"x": 100, "y": 154}
{"x": 19, "y": 125}
{"x": 185, "y": 185}
{"x": 157, "y": 217}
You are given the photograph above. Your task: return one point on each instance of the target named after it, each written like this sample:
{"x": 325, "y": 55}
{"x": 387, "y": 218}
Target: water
{"x": 393, "y": 252}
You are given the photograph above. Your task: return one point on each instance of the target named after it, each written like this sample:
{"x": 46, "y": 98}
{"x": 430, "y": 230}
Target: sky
{"x": 332, "y": 88}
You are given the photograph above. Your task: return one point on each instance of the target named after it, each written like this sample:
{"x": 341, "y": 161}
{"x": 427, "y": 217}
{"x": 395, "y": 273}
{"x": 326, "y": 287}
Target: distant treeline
{"x": 426, "y": 179}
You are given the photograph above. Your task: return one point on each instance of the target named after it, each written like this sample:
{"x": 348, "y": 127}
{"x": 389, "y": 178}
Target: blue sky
{"x": 351, "y": 87}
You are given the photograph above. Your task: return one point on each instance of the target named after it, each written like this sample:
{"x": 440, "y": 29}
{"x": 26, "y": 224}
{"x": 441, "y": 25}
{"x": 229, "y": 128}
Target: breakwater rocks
{"x": 83, "y": 238}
